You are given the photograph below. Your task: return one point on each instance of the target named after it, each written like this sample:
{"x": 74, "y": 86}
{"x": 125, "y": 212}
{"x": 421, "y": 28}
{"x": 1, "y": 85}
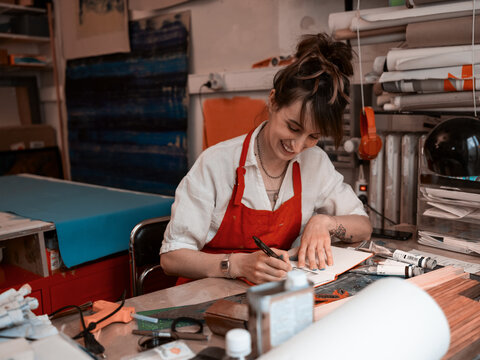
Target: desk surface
{"x": 118, "y": 339}
{"x": 91, "y": 221}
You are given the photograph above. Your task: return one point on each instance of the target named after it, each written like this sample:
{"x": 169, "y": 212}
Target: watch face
{"x": 224, "y": 265}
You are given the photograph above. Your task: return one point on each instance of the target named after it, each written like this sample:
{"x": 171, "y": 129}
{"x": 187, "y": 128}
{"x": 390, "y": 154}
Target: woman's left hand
{"x": 316, "y": 242}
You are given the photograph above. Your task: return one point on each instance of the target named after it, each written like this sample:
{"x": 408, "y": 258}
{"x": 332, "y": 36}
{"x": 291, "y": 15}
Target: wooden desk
{"x": 118, "y": 339}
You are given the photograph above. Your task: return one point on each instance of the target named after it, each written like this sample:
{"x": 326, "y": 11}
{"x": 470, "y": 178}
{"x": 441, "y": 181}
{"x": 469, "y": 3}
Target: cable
{"x": 378, "y": 213}
{"x": 90, "y": 342}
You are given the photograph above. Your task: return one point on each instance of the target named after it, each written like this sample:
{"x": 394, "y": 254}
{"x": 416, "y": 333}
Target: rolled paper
{"x": 389, "y": 319}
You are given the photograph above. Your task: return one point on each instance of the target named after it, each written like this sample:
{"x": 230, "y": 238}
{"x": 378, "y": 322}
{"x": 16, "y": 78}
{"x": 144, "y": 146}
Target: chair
{"x": 146, "y": 274}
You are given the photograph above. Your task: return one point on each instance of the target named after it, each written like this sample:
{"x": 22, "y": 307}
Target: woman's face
{"x": 286, "y": 136}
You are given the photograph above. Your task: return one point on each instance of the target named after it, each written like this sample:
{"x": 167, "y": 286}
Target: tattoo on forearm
{"x": 340, "y": 232}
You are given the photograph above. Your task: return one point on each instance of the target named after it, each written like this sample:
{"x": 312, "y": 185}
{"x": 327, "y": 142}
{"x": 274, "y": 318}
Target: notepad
{"x": 343, "y": 260}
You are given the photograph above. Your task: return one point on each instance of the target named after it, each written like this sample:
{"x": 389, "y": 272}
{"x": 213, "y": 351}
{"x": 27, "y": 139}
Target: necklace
{"x": 261, "y": 161}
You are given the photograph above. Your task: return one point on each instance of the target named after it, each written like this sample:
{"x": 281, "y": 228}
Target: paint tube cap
{"x": 416, "y": 270}
{"x": 430, "y": 263}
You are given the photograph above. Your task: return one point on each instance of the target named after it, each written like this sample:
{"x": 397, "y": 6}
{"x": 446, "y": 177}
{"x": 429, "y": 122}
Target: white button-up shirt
{"x": 202, "y": 197}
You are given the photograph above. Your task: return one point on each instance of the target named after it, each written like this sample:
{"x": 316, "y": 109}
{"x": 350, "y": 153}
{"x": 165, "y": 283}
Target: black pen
{"x": 265, "y": 248}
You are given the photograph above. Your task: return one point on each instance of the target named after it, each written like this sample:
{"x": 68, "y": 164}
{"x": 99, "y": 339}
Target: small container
{"x": 238, "y": 344}
{"x": 279, "y": 310}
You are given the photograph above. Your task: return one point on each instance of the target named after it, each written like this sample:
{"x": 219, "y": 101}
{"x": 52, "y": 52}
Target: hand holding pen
{"x": 258, "y": 268}
{"x": 267, "y": 250}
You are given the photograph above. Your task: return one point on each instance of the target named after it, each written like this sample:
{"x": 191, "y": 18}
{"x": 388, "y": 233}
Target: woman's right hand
{"x": 258, "y": 267}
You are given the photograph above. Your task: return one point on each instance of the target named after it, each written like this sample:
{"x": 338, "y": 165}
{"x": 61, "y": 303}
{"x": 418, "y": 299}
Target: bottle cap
{"x": 296, "y": 279}
{"x": 238, "y": 343}
{"x": 416, "y": 270}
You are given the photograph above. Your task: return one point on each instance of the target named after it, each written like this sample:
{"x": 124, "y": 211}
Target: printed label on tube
{"x": 404, "y": 271}
{"x": 409, "y": 258}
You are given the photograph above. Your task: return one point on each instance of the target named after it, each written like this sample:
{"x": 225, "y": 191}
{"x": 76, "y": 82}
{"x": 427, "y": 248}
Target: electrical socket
{"x": 216, "y": 81}
{"x": 361, "y": 189}
{"x": 361, "y": 186}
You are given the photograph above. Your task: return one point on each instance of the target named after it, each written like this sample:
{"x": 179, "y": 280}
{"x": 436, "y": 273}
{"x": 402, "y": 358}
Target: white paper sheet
{"x": 446, "y": 242}
{"x": 453, "y": 194}
{"x": 456, "y": 211}
{"x": 343, "y": 260}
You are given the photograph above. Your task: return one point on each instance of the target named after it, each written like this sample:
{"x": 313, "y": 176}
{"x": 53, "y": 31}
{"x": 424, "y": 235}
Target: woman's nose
{"x": 302, "y": 143}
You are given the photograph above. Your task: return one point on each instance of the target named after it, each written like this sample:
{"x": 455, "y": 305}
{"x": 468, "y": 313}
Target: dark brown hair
{"x": 319, "y": 77}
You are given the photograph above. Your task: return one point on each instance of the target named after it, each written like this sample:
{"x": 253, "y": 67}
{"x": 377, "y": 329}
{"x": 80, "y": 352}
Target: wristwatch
{"x": 225, "y": 266}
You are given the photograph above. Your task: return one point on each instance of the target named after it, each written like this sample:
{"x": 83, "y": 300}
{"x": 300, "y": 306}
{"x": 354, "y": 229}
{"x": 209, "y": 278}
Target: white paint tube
{"x": 418, "y": 260}
{"x": 406, "y": 271}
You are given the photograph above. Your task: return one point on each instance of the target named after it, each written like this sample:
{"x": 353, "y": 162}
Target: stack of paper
{"x": 456, "y": 216}
{"x": 449, "y": 242}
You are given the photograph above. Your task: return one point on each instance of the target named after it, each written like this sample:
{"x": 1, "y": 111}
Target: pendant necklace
{"x": 261, "y": 162}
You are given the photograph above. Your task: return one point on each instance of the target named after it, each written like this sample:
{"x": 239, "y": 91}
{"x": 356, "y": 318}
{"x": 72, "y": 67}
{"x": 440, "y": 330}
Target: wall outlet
{"x": 361, "y": 186}
{"x": 216, "y": 81}
{"x": 361, "y": 189}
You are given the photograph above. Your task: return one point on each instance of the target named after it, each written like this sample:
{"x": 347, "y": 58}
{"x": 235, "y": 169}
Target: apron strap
{"x": 297, "y": 179}
{"x": 239, "y": 187}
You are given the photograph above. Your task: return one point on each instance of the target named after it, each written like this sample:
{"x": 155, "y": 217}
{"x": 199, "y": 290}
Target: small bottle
{"x": 238, "y": 344}
{"x": 54, "y": 260}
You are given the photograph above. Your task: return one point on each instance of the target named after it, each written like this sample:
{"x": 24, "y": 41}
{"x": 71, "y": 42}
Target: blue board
{"x": 91, "y": 222}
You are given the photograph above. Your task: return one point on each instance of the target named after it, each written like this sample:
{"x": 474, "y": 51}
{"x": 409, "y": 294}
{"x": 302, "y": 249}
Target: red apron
{"x": 277, "y": 229}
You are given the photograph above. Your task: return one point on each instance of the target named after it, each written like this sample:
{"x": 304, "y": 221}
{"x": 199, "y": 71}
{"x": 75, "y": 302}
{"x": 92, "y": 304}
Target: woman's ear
{"x": 271, "y": 101}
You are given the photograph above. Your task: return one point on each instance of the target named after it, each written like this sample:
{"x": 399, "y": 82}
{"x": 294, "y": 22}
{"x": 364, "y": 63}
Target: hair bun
{"x": 319, "y": 55}
{"x": 327, "y": 49}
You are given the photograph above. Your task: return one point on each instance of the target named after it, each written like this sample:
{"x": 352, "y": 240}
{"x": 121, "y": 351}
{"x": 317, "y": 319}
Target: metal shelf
{"x": 12, "y": 9}
{"x": 23, "y": 38}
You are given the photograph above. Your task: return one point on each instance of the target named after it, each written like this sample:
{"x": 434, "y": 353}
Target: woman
{"x": 273, "y": 183}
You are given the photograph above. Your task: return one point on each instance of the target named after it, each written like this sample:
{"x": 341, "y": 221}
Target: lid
{"x": 238, "y": 343}
{"x": 296, "y": 279}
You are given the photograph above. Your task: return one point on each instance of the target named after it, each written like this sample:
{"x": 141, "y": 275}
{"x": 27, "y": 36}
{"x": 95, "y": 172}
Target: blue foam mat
{"x": 91, "y": 222}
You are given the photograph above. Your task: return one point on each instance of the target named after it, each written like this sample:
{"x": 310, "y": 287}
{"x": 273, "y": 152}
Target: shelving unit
{"x": 15, "y": 9}
{"x": 26, "y": 43}
{"x": 25, "y": 38}
{"x": 464, "y": 227}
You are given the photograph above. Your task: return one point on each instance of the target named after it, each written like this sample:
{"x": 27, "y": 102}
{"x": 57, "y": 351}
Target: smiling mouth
{"x": 287, "y": 148}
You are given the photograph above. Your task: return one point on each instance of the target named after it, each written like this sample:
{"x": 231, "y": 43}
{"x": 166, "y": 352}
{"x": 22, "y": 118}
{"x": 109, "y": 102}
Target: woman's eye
{"x": 315, "y": 137}
{"x": 293, "y": 129}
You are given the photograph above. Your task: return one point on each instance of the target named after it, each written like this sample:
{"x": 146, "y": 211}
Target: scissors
{"x": 156, "y": 338}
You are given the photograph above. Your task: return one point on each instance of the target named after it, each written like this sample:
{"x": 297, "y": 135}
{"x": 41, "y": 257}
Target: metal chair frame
{"x": 138, "y": 280}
